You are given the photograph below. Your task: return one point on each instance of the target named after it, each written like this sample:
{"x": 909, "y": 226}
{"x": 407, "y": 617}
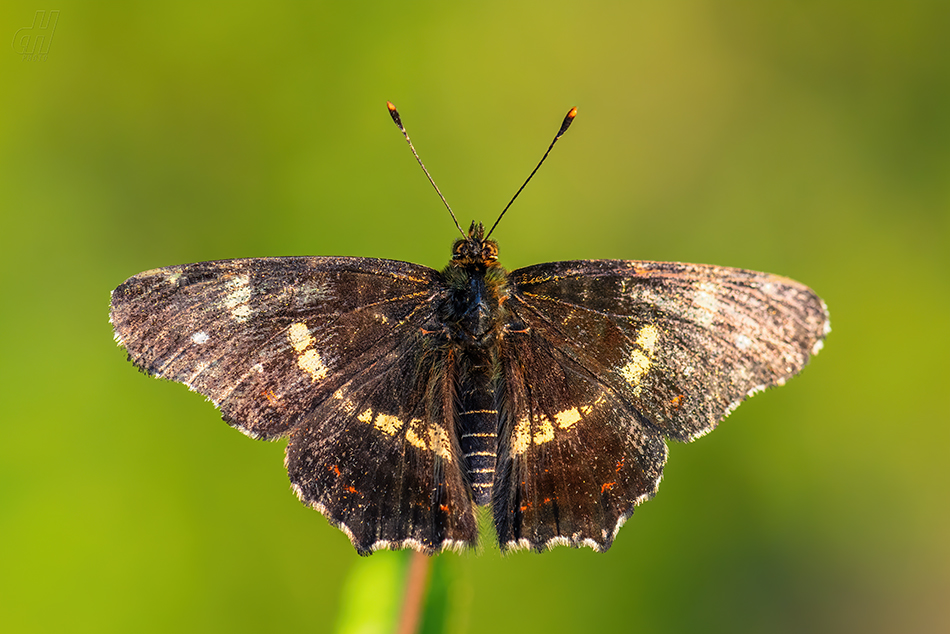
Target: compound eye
{"x": 490, "y": 252}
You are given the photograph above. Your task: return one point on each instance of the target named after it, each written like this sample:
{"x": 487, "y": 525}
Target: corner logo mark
{"x": 32, "y": 42}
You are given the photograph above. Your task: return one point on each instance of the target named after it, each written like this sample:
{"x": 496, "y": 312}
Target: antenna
{"x": 564, "y": 126}
{"x": 395, "y": 115}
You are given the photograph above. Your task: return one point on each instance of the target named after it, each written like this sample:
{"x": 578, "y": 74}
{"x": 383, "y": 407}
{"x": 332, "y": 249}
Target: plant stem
{"x": 416, "y": 578}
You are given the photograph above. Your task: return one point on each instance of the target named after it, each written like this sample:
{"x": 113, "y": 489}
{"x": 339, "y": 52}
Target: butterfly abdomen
{"x": 477, "y": 418}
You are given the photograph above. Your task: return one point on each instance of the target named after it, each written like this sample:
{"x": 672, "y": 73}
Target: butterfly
{"x": 412, "y": 396}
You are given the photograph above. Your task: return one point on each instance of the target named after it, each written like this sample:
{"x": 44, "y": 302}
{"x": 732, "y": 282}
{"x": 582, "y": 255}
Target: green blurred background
{"x": 810, "y": 139}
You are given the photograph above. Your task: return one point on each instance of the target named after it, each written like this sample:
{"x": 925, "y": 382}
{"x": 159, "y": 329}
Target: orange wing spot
{"x": 524, "y": 507}
{"x": 606, "y": 485}
{"x": 546, "y": 500}
{"x": 444, "y": 508}
{"x": 352, "y": 490}
{"x": 269, "y": 395}
{"x": 335, "y": 469}
{"x": 677, "y": 401}
{"x": 620, "y": 464}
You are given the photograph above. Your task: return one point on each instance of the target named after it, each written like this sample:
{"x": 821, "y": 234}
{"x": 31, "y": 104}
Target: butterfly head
{"x": 475, "y": 249}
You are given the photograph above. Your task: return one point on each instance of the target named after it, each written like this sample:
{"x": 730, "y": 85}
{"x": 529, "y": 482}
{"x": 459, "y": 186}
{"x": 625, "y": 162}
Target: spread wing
{"x": 603, "y": 359}
{"x": 328, "y": 351}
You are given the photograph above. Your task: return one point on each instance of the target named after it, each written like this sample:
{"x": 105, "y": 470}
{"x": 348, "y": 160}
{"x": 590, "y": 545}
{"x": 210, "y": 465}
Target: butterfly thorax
{"x": 476, "y": 285}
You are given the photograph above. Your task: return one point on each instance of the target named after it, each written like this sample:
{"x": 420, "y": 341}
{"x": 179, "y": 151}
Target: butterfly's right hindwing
{"x": 380, "y": 457}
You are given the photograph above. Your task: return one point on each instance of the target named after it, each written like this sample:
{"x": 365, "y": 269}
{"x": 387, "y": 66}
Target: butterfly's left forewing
{"x": 328, "y": 351}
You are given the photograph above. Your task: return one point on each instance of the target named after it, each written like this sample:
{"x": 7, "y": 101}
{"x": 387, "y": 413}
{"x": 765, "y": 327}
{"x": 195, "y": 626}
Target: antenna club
{"x": 395, "y": 115}
{"x": 568, "y": 120}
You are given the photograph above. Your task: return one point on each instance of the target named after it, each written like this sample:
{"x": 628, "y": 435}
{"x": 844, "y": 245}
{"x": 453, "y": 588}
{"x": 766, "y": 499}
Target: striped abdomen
{"x": 478, "y": 427}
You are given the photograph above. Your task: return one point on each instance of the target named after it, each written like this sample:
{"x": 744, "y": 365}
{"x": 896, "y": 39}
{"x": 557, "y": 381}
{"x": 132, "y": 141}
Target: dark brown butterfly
{"x": 410, "y": 396}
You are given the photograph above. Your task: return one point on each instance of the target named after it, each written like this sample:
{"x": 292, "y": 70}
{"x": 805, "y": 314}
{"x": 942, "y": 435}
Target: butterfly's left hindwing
{"x": 327, "y": 350}
{"x": 574, "y": 457}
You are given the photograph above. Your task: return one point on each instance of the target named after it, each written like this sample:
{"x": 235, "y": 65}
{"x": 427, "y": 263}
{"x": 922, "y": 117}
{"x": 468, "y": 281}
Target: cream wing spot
{"x": 439, "y": 441}
{"x": 299, "y": 336}
{"x": 308, "y": 359}
{"x": 412, "y": 434}
{"x": 238, "y": 295}
{"x": 521, "y": 439}
{"x": 308, "y": 294}
{"x": 567, "y": 418}
{"x": 311, "y": 363}
{"x": 647, "y": 338}
{"x": 638, "y": 364}
{"x": 242, "y": 312}
{"x": 545, "y": 432}
{"x": 641, "y": 360}
{"x": 387, "y": 423}
{"x": 200, "y": 338}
